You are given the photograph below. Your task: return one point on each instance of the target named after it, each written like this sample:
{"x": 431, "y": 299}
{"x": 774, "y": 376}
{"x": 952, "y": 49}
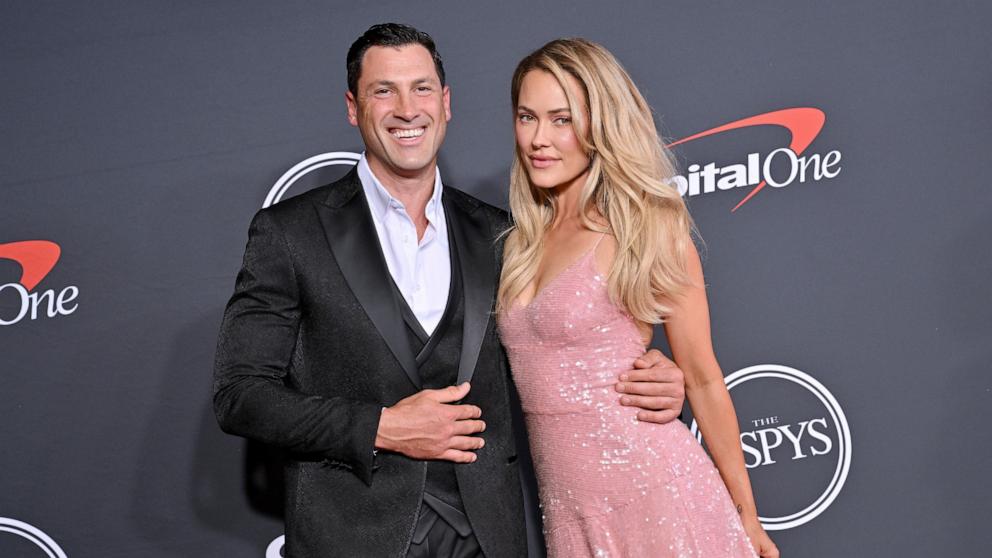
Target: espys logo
{"x": 274, "y": 550}
{"x": 779, "y": 168}
{"x": 305, "y": 167}
{"x": 796, "y": 442}
{"x": 33, "y": 534}
{"x": 36, "y": 258}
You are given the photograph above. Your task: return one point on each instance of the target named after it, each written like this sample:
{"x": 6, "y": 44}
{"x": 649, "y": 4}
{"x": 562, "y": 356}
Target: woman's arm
{"x": 688, "y": 331}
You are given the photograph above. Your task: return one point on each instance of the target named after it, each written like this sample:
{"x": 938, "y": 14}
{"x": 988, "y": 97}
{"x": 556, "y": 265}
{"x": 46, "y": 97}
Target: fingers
{"x": 768, "y": 548}
{"x": 671, "y": 374}
{"x": 658, "y": 417}
{"x": 463, "y": 427}
{"x": 430, "y": 425}
{"x": 449, "y": 394}
{"x": 458, "y": 456}
{"x": 651, "y": 403}
{"x": 652, "y": 358}
{"x": 651, "y": 389}
{"x": 463, "y": 412}
{"x": 467, "y": 443}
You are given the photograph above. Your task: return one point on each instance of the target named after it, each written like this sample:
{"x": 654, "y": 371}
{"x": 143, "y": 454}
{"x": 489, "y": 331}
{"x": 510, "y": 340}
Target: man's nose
{"x": 405, "y": 107}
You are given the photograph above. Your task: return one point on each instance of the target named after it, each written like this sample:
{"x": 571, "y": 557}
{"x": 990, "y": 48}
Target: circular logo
{"x": 301, "y": 169}
{"x": 33, "y": 534}
{"x": 796, "y": 442}
{"x": 274, "y": 550}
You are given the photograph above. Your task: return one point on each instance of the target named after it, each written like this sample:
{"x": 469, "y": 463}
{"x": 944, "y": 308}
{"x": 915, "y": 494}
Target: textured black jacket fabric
{"x": 311, "y": 348}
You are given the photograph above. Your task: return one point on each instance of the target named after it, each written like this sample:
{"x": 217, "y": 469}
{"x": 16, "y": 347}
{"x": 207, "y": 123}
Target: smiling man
{"x": 360, "y": 338}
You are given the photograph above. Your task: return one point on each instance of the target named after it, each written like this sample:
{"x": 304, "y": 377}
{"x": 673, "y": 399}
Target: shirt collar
{"x": 380, "y": 200}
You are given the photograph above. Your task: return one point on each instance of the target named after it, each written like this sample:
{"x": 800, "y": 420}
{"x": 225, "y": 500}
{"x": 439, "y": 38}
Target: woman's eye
{"x": 525, "y": 117}
{"x": 562, "y": 121}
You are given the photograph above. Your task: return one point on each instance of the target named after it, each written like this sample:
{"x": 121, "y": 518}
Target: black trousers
{"x": 443, "y": 536}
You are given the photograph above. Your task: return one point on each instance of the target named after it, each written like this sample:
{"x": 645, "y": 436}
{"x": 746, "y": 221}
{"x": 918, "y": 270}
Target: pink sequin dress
{"x": 609, "y": 484}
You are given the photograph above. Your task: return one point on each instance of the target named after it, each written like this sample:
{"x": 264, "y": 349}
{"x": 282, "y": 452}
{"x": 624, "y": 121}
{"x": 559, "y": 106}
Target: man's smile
{"x": 407, "y": 133}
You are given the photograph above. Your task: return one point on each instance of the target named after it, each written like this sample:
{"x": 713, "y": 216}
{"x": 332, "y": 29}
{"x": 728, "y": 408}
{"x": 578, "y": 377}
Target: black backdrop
{"x": 139, "y": 137}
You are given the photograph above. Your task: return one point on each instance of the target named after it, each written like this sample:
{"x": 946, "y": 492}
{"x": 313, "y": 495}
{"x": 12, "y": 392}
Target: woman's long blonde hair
{"x": 627, "y": 185}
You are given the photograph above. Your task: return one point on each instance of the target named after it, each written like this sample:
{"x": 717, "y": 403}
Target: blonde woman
{"x": 600, "y": 251}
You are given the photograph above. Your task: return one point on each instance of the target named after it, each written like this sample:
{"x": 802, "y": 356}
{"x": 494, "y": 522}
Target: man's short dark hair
{"x": 388, "y": 35}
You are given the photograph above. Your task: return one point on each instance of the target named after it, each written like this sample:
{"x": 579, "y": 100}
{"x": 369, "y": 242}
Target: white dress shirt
{"x": 421, "y": 270}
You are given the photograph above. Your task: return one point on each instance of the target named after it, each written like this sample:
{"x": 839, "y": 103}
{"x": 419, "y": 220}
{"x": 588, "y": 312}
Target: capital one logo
{"x": 779, "y": 168}
{"x": 796, "y": 442}
{"x": 33, "y": 534}
{"x": 36, "y": 258}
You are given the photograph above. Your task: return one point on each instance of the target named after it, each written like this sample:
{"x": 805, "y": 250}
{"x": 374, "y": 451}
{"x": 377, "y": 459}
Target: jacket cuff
{"x": 360, "y": 441}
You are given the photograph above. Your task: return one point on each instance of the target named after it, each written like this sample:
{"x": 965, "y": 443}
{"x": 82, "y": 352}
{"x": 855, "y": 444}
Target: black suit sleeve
{"x": 254, "y": 352}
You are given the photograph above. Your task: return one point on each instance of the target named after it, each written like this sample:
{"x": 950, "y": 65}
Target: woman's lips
{"x": 542, "y": 162}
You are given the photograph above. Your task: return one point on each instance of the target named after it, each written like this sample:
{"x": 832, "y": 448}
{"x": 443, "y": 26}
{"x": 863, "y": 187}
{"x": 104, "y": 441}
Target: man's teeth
{"x": 414, "y": 133}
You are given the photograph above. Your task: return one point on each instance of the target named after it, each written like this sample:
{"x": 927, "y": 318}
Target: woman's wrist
{"x": 746, "y": 513}
{"x": 748, "y": 520}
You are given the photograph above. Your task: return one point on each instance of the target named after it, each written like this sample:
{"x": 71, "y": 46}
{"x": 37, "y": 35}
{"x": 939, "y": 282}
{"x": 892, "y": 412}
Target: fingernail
{"x": 625, "y": 400}
{"x": 620, "y": 388}
{"x": 623, "y": 377}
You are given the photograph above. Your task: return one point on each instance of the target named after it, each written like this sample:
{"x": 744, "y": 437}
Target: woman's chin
{"x": 544, "y": 186}
{"x": 540, "y": 181}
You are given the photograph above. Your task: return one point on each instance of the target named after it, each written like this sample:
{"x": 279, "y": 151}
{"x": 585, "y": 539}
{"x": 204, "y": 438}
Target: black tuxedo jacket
{"x": 311, "y": 348}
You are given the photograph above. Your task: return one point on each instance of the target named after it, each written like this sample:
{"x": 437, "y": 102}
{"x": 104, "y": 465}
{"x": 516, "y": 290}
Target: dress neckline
{"x": 582, "y": 258}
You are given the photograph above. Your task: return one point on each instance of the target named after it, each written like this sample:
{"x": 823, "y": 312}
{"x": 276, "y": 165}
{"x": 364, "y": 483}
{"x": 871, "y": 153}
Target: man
{"x": 360, "y": 338}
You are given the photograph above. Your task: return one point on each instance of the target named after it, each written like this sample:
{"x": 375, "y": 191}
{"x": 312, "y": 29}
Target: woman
{"x": 600, "y": 251}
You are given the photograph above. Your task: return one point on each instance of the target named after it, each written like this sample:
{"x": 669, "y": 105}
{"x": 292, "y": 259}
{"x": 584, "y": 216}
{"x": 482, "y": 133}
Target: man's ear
{"x": 352, "y": 108}
{"x": 446, "y": 98}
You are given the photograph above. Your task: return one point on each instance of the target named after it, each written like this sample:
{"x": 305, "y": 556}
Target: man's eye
{"x": 380, "y": 92}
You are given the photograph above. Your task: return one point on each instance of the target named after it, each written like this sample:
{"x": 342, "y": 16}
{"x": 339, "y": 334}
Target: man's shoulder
{"x": 471, "y": 204}
{"x": 328, "y": 194}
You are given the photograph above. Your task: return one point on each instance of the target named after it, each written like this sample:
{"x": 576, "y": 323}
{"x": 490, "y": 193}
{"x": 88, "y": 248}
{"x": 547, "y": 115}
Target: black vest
{"x": 437, "y": 362}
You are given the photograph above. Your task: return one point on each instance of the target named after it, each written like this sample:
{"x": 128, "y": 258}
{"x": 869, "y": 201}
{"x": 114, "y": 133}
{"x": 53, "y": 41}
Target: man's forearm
{"x": 338, "y": 429}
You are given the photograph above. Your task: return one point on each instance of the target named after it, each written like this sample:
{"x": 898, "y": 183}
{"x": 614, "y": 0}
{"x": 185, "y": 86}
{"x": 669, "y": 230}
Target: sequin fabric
{"x": 610, "y": 485}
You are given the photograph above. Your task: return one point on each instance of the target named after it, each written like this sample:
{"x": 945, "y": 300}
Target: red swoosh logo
{"x": 36, "y": 258}
{"x": 804, "y": 123}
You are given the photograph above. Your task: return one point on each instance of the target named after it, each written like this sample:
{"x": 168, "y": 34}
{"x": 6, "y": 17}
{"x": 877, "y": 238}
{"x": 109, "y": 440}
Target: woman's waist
{"x": 569, "y": 363}
{"x": 570, "y": 376}
{"x": 575, "y": 444}
{"x": 606, "y": 426}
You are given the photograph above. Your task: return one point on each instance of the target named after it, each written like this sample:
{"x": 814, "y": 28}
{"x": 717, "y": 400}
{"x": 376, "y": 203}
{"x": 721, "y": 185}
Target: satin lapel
{"x": 353, "y": 239}
{"x": 476, "y": 256}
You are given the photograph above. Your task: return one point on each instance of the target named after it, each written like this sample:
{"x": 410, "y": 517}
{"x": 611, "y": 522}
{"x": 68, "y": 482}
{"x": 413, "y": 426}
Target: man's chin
{"x": 412, "y": 166}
